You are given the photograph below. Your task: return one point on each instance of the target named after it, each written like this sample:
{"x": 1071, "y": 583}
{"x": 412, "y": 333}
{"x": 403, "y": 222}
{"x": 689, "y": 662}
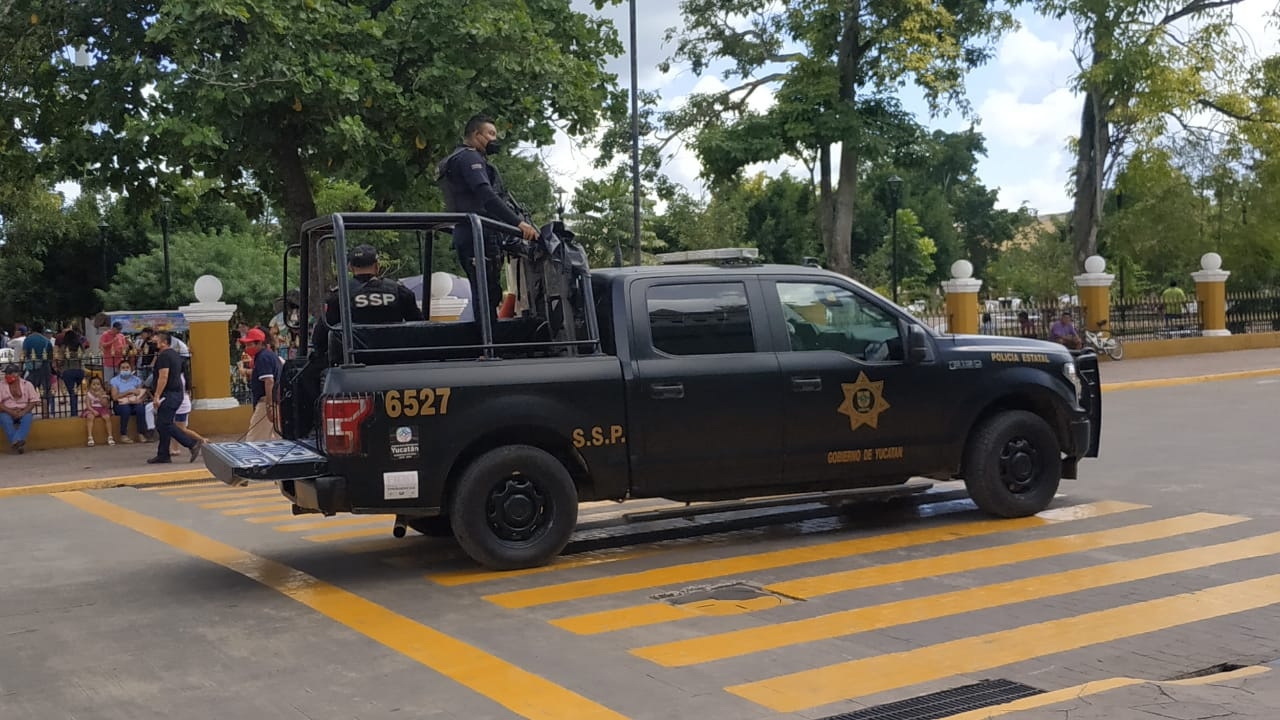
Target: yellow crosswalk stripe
{"x": 204, "y": 493}
{"x": 183, "y": 488}
{"x": 282, "y": 517}
{"x": 454, "y": 578}
{"x": 918, "y": 609}
{"x": 807, "y": 689}
{"x": 254, "y": 498}
{"x": 228, "y": 495}
{"x": 323, "y": 523}
{"x": 934, "y": 566}
{"x": 696, "y": 571}
{"x": 347, "y": 535}
{"x": 272, "y": 506}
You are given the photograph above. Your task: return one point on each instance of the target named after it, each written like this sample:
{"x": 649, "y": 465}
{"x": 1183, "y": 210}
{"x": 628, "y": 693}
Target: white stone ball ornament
{"x": 441, "y": 284}
{"x": 208, "y": 289}
{"x": 1095, "y": 265}
{"x": 1211, "y": 261}
{"x": 961, "y": 270}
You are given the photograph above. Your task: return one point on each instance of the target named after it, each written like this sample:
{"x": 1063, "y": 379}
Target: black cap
{"x": 362, "y": 256}
{"x": 11, "y": 369}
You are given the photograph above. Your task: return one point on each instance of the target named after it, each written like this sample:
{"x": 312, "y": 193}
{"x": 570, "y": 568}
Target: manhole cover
{"x": 728, "y": 599}
{"x": 945, "y": 703}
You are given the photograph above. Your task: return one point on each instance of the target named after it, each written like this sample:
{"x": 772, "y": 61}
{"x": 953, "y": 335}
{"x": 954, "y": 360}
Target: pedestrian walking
{"x": 168, "y": 398}
{"x": 262, "y": 386}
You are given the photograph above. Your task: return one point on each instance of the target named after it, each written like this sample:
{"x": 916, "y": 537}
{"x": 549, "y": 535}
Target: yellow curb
{"x": 1096, "y": 687}
{"x": 1189, "y": 380}
{"x": 160, "y": 478}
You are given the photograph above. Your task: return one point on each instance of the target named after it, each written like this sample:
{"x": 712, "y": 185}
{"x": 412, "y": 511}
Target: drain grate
{"x": 945, "y": 702}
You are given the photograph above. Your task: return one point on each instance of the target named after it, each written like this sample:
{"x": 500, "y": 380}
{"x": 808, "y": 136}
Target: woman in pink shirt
{"x": 18, "y": 401}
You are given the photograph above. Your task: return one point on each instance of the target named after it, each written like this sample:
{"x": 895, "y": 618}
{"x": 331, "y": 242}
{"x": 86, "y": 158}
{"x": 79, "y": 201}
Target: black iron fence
{"x": 1253, "y": 312}
{"x": 63, "y": 377}
{"x": 1156, "y": 317}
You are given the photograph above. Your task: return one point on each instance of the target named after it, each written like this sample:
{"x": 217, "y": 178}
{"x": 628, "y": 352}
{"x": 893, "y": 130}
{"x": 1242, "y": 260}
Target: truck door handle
{"x": 806, "y": 384}
{"x": 666, "y": 391}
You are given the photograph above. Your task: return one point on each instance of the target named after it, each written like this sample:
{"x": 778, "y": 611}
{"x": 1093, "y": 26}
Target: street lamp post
{"x": 164, "y": 234}
{"x": 102, "y": 251}
{"x": 895, "y": 189}
{"x": 635, "y": 144}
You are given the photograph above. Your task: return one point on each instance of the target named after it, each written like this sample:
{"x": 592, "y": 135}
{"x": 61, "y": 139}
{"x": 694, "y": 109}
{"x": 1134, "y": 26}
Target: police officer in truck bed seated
{"x": 472, "y": 185}
{"x": 374, "y": 300}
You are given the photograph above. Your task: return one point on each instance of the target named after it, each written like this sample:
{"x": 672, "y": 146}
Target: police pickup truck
{"x": 693, "y": 382}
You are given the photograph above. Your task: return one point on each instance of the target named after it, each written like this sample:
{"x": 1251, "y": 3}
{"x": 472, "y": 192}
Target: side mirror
{"x": 917, "y": 345}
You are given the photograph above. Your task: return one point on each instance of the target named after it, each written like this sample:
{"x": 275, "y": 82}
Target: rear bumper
{"x": 327, "y": 494}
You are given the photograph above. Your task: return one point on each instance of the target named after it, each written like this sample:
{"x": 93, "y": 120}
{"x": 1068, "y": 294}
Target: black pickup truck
{"x": 724, "y": 380}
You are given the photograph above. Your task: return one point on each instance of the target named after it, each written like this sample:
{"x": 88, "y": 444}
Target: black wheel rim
{"x": 517, "y": 509}
{"x": 1019, "y": 465}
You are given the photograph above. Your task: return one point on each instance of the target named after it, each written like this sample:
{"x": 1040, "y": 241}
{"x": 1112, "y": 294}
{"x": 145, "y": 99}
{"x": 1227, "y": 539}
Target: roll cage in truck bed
{"x": 553, "y": 298}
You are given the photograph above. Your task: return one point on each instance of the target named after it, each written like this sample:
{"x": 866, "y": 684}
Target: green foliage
{"x": 603, "y": 218}
{"x": 834, "y": 66}
{"x": 916, "y": 261}
{"x": 248, "y": 264}
{"x": 268, "y": 93}
{"x": 1039, "y": 270}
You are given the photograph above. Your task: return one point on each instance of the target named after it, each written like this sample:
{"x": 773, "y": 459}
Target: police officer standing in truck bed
{"x": 472, "y": 185}
{"x": 375, "y": 300}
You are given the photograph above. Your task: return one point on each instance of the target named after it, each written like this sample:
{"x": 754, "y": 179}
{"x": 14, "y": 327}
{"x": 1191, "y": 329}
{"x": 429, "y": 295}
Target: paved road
{"x": 209, "y": 602}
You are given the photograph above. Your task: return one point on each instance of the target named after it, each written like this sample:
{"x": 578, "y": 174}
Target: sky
{"x": 1023, "y": 98}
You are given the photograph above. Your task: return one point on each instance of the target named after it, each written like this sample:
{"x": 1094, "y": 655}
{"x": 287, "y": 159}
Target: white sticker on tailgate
{"x": 400, "y": 485}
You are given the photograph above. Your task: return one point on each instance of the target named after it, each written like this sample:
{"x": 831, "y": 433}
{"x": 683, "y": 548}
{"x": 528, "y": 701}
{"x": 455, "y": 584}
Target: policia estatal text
{"x": 472, "y": 185}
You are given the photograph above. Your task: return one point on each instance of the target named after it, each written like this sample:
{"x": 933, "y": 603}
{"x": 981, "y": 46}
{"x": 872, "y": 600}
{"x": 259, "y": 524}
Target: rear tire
{"x": 1014, "y": 464}
{"x": 514, "y": 507}
{"x": 1115, "y": 350}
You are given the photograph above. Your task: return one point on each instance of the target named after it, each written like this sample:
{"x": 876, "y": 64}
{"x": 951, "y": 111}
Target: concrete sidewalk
{"x": 105, "y": 466}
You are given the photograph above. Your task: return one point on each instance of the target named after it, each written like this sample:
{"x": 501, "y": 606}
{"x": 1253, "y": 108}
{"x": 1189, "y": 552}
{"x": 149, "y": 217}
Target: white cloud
{"x": 1044, "y": 124}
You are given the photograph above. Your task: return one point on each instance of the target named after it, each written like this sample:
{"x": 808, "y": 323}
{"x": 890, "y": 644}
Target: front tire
{"x": 1013, "y": 465}
{"x": 514, "y": 507}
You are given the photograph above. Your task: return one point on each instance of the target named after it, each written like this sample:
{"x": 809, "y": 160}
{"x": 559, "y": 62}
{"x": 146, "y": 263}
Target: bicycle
{"x": 1102, "y": 341}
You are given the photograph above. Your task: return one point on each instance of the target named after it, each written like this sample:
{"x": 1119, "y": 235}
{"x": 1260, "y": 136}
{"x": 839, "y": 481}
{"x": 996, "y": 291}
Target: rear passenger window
{"x": 700, "y": 319}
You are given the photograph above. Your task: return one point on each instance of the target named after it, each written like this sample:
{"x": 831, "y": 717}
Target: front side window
{"x": 700, "y": 318}
{"x": 821, "y": 316}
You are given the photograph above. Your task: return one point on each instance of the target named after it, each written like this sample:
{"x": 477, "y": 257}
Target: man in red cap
{"x": 262, "y": 386}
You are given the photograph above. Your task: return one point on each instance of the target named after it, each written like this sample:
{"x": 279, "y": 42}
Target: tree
{"x": 833, "y": 64}
{"x": 248, "y": 264}
{"x": 602, "y": 218}
{"x": 1038, "y": 270}
{"x": 272, "y": 93}
{"x": 916, "y": 263}
{"x": 1141, "y": 63}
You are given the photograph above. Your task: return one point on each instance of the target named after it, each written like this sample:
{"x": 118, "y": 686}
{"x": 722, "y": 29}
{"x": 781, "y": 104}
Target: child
{"x": 97, "y": 406}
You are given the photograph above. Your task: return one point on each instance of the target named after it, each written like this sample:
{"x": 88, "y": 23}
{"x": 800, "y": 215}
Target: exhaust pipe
{"x": 399, "y": 529}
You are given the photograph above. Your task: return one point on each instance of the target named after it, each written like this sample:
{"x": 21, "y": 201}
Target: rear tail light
{"x": 342, "y": 420}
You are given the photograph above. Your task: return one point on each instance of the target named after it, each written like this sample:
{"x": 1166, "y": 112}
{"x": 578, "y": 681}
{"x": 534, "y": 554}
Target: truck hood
{"x": 999, "y": 343}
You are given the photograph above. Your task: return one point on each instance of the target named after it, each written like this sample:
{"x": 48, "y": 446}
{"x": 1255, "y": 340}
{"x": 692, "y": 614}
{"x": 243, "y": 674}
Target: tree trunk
{"x": 1091, "y": 162}
{"x": 826, "y": 205}
{"x": 842, "y": 222}
{"x": 299, "y": 206}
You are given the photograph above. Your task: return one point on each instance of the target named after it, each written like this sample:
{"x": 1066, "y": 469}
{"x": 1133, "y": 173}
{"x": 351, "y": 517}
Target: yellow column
{"x": 209, "y": 321}
{"x": 1211, "y": 292}
{"x": 962, "y": 299}
{"x": 1094, "y": 291}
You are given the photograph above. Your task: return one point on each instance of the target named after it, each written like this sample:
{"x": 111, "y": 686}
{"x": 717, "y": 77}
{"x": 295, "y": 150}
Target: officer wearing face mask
{"x": 472, "y": 185}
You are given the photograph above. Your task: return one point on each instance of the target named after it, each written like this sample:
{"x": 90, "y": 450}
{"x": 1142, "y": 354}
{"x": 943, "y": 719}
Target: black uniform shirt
{"x": 374, "y": 301}
{"x": 471, "y": 184}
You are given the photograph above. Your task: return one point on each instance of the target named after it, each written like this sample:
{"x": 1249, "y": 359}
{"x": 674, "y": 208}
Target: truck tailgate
{"x": 238, "y": 463}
